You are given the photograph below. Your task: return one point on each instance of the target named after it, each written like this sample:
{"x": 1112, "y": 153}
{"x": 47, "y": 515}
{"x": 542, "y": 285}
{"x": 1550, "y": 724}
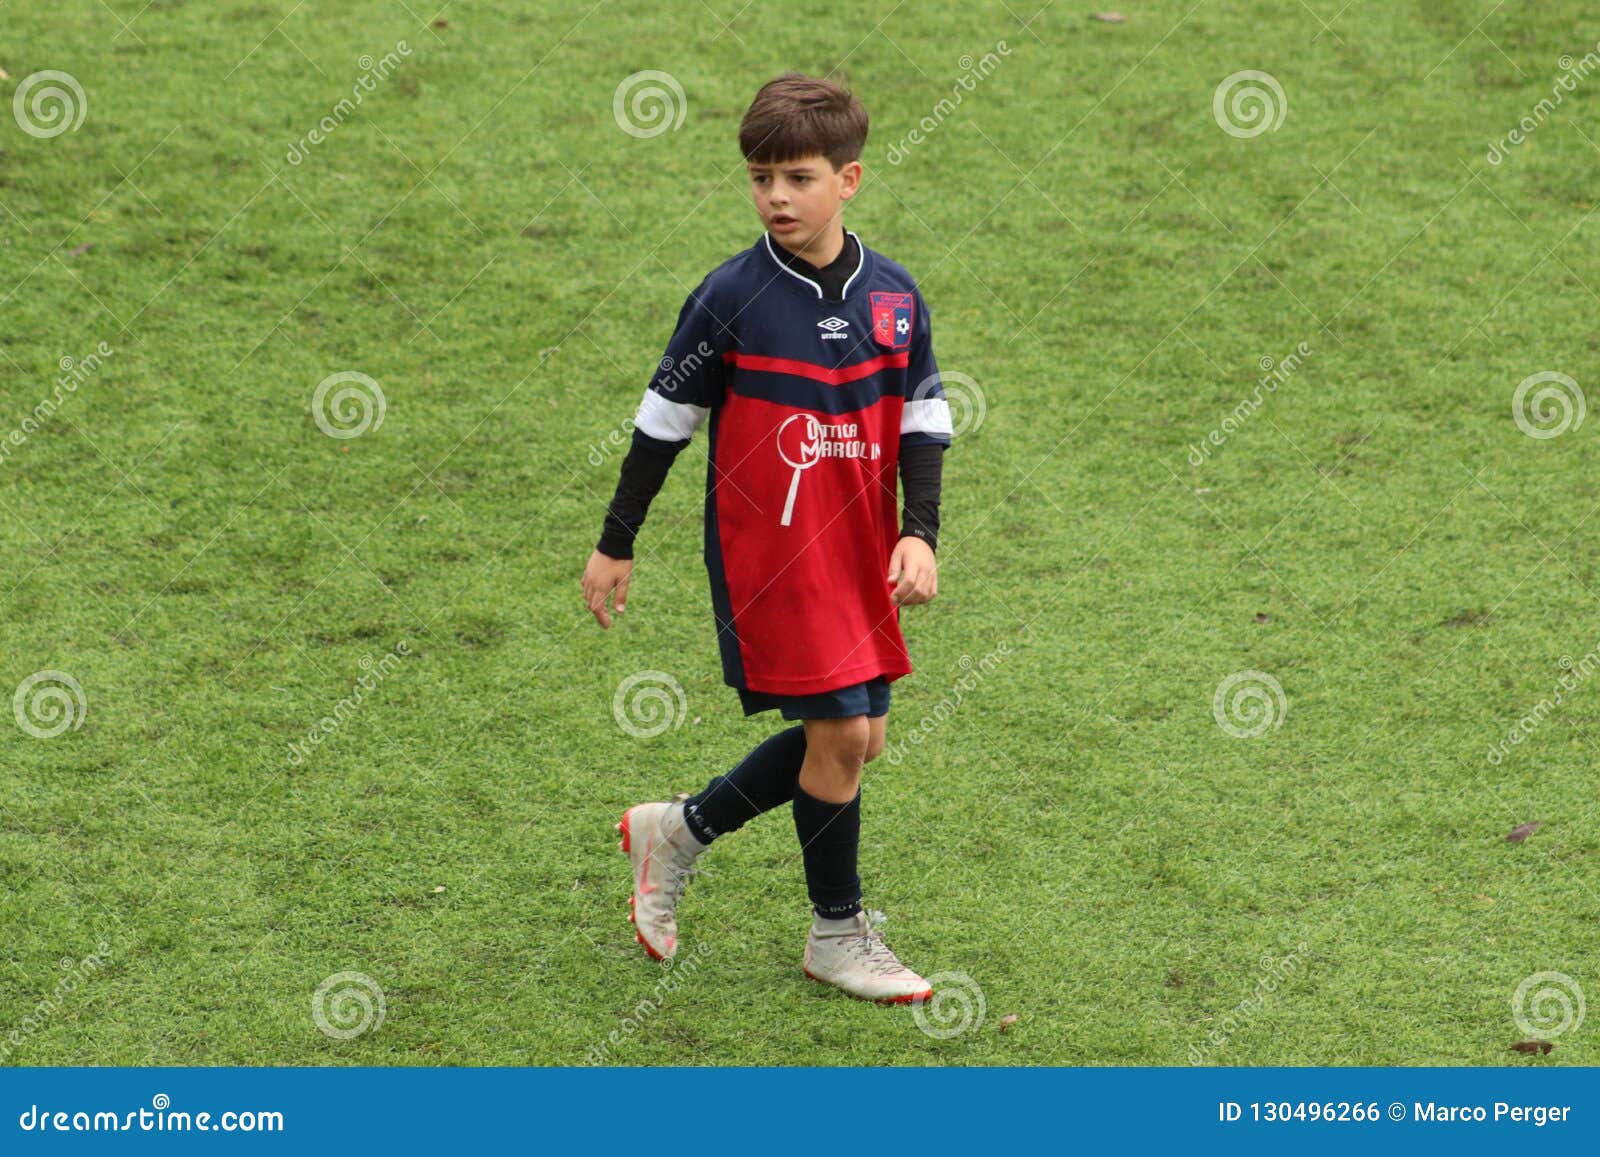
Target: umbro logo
{"x": 833, "y": 325}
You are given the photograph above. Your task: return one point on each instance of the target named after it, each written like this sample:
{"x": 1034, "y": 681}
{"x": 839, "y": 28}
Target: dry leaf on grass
{"x": 1541, "y": 1047}
{"x": 1522, "y": 832}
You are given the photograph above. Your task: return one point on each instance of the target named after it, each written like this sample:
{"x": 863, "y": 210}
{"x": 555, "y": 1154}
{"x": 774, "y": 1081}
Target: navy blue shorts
{"x": 869, "y": 698}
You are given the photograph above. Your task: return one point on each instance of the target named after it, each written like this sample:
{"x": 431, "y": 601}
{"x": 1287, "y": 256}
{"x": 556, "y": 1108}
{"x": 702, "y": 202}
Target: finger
{"x": 896, "y": 564}
{"x": 621, "y": 599}
{"x": 597, "y": 608}
{"x": 903, "y": 590}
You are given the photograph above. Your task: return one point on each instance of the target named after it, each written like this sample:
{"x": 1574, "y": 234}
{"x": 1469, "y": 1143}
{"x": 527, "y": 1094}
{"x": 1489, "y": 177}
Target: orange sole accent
{"x": 908, "y": 998}
{"x": 633, "y": 918}
{"x": 654, "y": 955}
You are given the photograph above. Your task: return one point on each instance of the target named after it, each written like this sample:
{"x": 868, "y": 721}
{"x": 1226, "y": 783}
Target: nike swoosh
{"x": 645, "y": 887}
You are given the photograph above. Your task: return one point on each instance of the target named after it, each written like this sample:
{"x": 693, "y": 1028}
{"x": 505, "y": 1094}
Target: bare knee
{"x": 836, "y": 751}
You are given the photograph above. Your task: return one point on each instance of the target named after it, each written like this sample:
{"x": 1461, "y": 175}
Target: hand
{"x": 603, "y": 575}
{"x": 914, "y": 572}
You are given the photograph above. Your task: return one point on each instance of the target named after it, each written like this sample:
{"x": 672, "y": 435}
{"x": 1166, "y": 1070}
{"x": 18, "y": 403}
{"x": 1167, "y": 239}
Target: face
{"x": 798, "y": 200}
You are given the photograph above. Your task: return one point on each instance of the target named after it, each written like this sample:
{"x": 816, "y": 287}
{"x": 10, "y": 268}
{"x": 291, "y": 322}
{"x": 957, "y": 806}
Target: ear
{"x": 850, "y": 180}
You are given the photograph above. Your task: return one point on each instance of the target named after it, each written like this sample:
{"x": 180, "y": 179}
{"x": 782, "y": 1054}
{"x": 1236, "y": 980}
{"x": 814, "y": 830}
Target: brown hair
{"x": 796, "y": 115}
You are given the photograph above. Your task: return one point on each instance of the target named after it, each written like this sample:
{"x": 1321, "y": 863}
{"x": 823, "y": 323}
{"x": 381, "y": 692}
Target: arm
{"x": 675, "y": 404}
{"x": 925, "y": 433}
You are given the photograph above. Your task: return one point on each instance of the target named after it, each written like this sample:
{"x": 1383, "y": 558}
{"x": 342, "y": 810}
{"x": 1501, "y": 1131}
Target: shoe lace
{"x": 678, "y": 875}
{"x": 870, "y": 945}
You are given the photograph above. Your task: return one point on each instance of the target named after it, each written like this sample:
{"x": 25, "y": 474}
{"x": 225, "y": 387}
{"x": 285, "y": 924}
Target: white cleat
{"x": 663, "y": 853}
{"x": 850, "y": 954}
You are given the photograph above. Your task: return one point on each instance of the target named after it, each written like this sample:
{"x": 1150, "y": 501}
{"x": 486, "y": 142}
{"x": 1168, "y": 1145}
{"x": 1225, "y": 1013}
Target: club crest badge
{"x": 891, "y": 320}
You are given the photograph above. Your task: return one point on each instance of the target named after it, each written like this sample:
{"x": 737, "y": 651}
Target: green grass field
{"x": 1079, "y": 836}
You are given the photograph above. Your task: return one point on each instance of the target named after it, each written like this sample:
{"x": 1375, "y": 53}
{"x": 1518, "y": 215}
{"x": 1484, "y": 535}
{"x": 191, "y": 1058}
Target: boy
{"x": 812, "y": 358}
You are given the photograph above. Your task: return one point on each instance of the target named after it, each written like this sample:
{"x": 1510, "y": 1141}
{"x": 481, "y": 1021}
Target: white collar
{"x": 861, "y": 261}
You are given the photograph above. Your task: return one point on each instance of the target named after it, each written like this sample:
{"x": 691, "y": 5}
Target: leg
{"x": 845, "y": 948}
{"x": 827, "y": 813}
{"x": 763, "y": 780}
{"x": 836, "y": 749}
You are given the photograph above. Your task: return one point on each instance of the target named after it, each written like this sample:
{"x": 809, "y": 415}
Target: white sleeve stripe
{"x": 666, "y": 420}
{"x": 927, "y": 416}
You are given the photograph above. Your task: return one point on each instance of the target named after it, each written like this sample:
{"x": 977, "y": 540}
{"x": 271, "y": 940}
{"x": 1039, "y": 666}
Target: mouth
{"x": 782, "y": 221}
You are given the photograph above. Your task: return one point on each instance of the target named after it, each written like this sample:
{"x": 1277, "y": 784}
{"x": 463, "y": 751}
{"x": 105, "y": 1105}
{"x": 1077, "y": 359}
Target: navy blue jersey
{"x": 809, "y": 402}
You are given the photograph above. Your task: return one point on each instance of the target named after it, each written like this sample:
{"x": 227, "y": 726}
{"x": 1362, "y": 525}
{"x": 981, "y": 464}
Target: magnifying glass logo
{"x": 805, "y": 442}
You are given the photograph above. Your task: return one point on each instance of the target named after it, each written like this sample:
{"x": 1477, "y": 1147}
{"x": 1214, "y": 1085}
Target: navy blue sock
{"x": 830, "y": 836}
{"x": 764, "y": 779}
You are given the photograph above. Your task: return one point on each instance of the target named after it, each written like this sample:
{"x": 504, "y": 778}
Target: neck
{"x": 823, "y": 249}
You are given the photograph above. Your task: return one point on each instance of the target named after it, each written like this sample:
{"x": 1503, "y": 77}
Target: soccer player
{"x": 811, "y": 356}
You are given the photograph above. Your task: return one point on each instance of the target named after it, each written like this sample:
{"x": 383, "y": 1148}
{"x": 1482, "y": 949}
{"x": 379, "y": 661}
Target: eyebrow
{"x": 791, "y": 169}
